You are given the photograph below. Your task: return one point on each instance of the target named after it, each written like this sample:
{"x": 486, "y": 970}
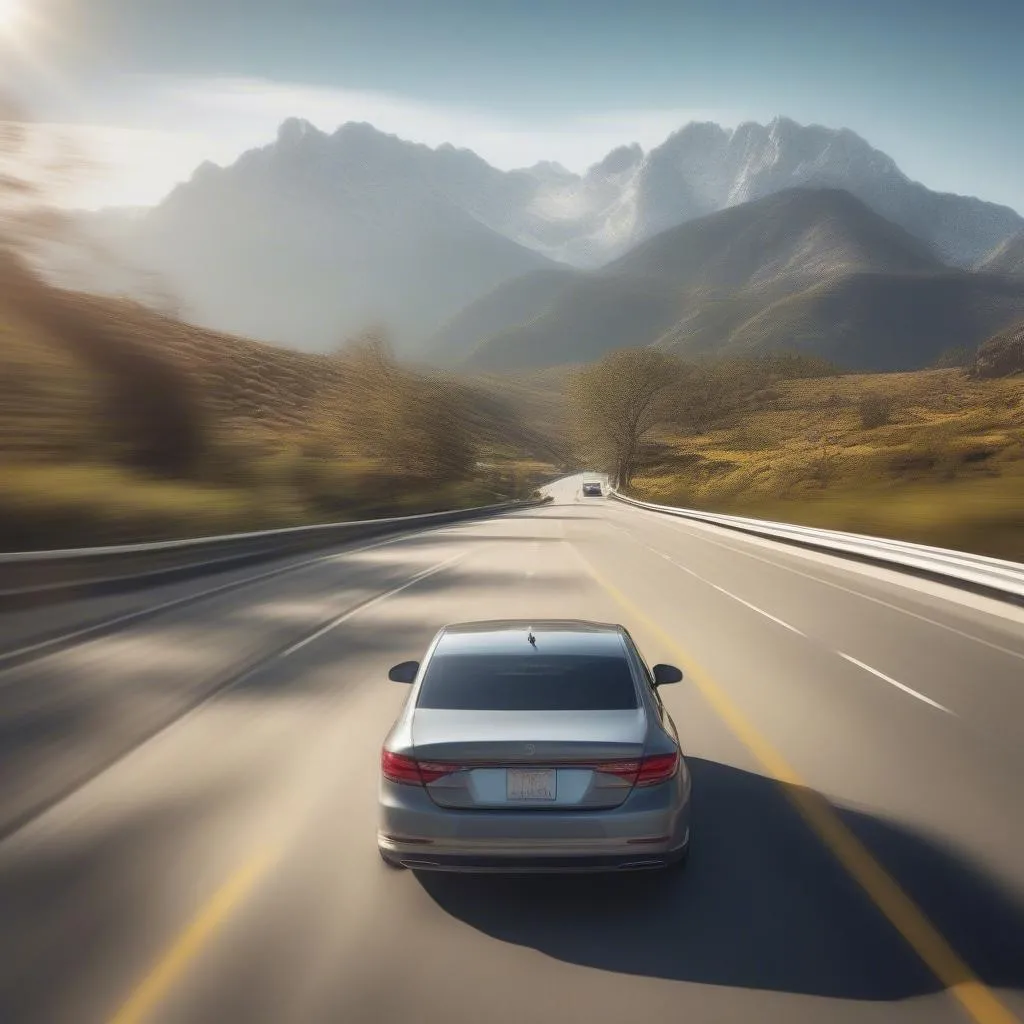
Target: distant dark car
{"x": 538, "y": 746}
{"x": 592, "y": 489}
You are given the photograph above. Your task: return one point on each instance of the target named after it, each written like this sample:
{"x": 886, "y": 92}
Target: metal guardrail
{"x": 34, "y": 576}
{"x": 992, "y": 576}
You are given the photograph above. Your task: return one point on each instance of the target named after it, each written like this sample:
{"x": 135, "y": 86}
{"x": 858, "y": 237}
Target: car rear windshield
{"x": 528, "y": 682}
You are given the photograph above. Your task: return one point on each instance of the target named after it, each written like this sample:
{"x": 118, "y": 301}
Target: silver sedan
{"x": 533, "y": 746}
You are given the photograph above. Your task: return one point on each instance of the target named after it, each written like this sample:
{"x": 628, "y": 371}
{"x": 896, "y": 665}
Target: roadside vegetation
{"x": 934, "y": 456}
{"x": 118, "y": 424}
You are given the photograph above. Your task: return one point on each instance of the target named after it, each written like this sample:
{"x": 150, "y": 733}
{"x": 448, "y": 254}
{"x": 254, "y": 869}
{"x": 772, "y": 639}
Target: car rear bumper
{"x": 423, "y": 859}
{"x": 651, "y": 828}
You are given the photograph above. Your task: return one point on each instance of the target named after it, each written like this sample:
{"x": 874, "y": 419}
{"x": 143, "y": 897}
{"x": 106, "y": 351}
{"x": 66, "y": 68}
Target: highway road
{"x": 188, "y": 801}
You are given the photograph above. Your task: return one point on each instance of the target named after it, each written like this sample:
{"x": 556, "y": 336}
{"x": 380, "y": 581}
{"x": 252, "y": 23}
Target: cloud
{"x": 218, "y": 119}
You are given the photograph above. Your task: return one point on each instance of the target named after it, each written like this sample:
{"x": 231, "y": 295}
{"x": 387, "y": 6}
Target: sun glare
{"x": 10, "y": 13}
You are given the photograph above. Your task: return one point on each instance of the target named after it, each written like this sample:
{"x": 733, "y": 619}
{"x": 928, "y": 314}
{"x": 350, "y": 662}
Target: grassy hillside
{"x": 1002, "y": 355}
{"x": 516, "y": 413}
{"x": 1007, "y": 258}
{"x": 933, "y": 456}
{"x": 117, "y": 423}
{"x": 884, "y": 321}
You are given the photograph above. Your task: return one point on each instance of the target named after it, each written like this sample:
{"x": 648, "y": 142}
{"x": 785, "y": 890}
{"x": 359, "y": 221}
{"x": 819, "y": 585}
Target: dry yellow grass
{"x": 246, "y": 383}
{"x": 947, "y": 469}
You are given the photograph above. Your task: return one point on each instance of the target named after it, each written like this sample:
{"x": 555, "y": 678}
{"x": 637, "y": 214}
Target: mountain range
{"x": 806, "y": 269}
{"x": 316, "y": 236}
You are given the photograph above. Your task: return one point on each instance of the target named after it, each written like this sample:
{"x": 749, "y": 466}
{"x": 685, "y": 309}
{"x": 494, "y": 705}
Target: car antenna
{"x": 531, "y": 639}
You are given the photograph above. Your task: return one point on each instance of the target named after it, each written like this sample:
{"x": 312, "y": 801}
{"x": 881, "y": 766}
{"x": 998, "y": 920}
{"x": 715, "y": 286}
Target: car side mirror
{"x": 665, "y": 674}
{"x": 405, "y": 672}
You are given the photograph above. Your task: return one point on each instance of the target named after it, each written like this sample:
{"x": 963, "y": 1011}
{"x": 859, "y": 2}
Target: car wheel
{"x": 390, "y": 861}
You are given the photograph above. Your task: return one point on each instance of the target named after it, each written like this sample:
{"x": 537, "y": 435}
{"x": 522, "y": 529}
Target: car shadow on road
{"x": 762, "y": 904}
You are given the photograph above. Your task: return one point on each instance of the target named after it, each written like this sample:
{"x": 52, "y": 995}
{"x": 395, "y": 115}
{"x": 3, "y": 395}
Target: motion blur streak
{"x": 139, "y": 890}
{"x": 191, "y": 942}
{"x": 891, "y": 900}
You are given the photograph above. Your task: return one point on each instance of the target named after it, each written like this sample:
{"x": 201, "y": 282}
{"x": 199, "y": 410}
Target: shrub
{"x": 875, "y": 411}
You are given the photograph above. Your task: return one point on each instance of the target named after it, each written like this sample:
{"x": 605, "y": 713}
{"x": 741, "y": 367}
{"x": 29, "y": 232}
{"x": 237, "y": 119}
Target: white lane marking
{"x": 96, "y": 627}
{"x": 700, "y": 534}
{"x": 786, "y": 625}
{"x": 345, "y": 616}
{"x": 761, "y": 611}
{"x": 728, "y": 593}
{"x": 898, "y": 685}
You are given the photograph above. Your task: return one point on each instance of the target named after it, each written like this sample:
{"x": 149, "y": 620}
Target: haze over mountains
{"x": 316, "y": 236}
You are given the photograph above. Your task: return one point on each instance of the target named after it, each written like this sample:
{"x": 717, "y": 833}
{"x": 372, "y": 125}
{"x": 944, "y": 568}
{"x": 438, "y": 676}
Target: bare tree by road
{"x": 615, "y": 403}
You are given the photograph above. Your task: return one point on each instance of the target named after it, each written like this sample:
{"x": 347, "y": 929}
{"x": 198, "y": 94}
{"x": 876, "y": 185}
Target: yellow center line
{"x": 148, "y": 993}
{"x": 902, "y": 912}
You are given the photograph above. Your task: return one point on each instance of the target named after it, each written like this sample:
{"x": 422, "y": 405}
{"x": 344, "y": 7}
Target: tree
{"x": 616, "y": 402}
{"x": 410, "y": 423}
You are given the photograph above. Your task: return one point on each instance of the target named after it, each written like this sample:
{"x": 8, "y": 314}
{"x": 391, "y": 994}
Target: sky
{"x": 146, "y": 90}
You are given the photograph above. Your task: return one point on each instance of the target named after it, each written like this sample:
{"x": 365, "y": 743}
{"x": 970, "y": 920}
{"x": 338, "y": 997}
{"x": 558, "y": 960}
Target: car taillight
{"x": 620, "y": 769}
{"x": 657, "y": 768}
{"x": 399, "y": 768}
{"x": 431, "y": 771}
{"x": 648, "y": 771}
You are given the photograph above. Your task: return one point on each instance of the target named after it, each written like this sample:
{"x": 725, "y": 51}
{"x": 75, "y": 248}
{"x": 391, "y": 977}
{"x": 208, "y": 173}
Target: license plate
{"x": 530, "y": 785}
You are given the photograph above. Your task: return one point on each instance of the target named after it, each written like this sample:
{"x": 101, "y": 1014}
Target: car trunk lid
{"x": 512, "y": 760}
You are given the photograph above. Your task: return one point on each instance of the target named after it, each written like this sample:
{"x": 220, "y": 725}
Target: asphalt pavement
{"x": 187, "y": 800}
